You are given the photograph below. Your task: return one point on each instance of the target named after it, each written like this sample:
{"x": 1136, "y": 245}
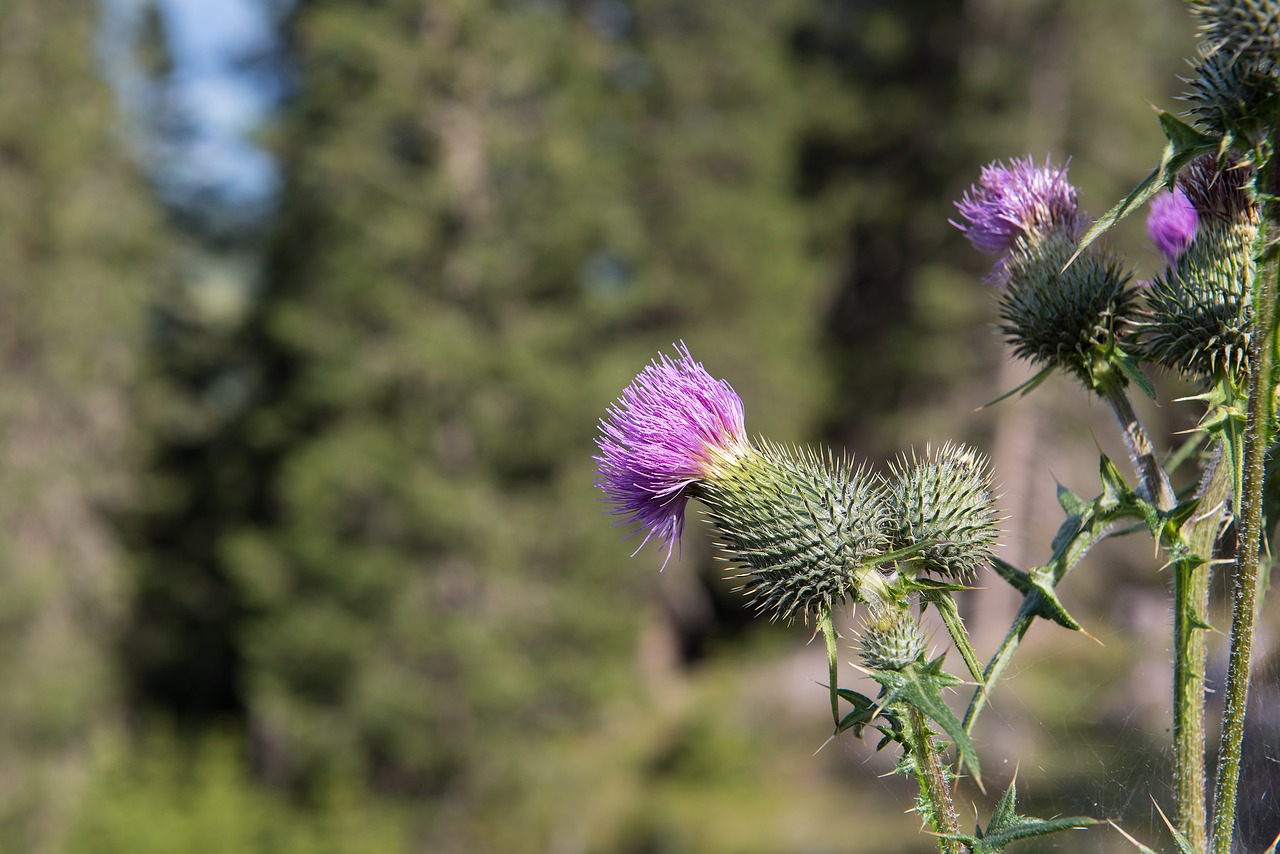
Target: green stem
{"x": 1155, "y": 486}
{"x": 934, "y": 787}
{"x": 1248, "y": 551}
{"x": 1190, "y": 622}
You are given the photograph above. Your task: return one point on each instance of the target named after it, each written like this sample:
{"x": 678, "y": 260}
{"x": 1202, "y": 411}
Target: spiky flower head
{"x": 1198, "y": 314}
{"x": 1235, "y": 83}
{"x": 1065, "y": 313}
{"x": 1171, "y": 223}
{"x": 892, "y": 640}
{"x": 1018, "y": 202}
{"x": 805, "y": 530}
{"x": 673, "y": 426}
{"x": 1234, "y": 95}
{"x": 1248, "y": 29}
{"x": 945, "y": 499}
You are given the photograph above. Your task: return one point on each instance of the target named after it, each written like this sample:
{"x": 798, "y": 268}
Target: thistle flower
{"x": 946, "y": 500}
{"x": 673, "y": 426}
{"x": 1171, "y": 223}
{"x": 806, "y": 530}
{"x": 1017, "y": 202}
{"x": 891, "y": 640}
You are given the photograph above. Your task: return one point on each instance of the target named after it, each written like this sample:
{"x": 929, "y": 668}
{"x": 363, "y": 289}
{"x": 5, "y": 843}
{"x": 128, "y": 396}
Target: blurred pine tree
{"x": 493, "y": 215}
{"x": 77, "y": 235}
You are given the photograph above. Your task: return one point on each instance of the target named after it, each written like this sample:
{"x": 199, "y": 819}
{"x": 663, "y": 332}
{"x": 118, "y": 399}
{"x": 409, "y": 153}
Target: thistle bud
{"x": 1057, "y": 312}
{"x": 892, "y": 640}
{"x": 1198, "y": 314}
{"x": 1248, "y": 29}
{"x": 946, "y": 500}
{"x": 1234, "y": 95}
{"x": 805, "y": 530}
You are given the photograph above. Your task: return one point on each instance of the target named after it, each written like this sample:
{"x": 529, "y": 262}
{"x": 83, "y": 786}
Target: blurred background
{"x": 309, "y": 310}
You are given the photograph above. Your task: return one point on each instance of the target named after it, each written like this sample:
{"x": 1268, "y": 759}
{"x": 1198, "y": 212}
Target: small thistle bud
{"x": 892, "y": 640}
{"x": 1197, "y": 315}
{"x": 1059, "y": 313}
{"x": 805, "y": 530}
{"x": 945, "y": 498}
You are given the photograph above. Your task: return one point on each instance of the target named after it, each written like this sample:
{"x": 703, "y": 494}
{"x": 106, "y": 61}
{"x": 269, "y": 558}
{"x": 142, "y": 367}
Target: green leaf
{"x": 864, "y": 712}
{"x": 1129, "y": 367}
{"x": 950, "y": 613}
{"x": 1007, "y": 826}
{"x": 921, "y": 685}
{"x": 1023, "y": 389}
{"x": 1045, "y": 601}
{"x": 1115, "y": 492}
{"x": 828, "y": 628}
{"x": 1018, "y": 579}
{"x": 1071, "y": 503}
{"x": 1185, "y": 144}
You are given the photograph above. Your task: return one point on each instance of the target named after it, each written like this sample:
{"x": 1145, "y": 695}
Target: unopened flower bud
{"x": 892, "y": 640}
{"x": 805, "y": 530}
{"x": 1248, "y": 29}
{"x": 1057, "y": 312}
{"x": 1235, "y": 95}
{"x": 945, "y": 500}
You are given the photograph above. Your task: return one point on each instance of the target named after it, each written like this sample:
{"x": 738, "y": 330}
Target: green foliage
{"x": 163, "y": 795}
{"x": 77, "y": 237}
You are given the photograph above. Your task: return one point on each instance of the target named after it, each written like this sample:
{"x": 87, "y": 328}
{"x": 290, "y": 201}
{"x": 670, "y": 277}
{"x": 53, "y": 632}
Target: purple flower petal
{"x": 1172, "y": 224}
{"x": 1021, "y": 199}
{"x": 672, "y": 426}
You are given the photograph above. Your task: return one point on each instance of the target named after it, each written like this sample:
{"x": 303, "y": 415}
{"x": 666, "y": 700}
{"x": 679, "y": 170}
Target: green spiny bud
{"x": 1234, "y": 95}
{"x": 806, "y": 530}
{"x": 891, "y": 640}
{"x": 945, "y": 499}
{"x": 1061, "y": 315}
{"x": 1198, "y": 314}
{"x": 1248, "y": 29}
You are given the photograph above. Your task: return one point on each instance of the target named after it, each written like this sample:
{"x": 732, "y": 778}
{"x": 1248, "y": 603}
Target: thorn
{"x": 1167, "y": 823}
{"x": 1086, "y": 633}
{"x": 830, "y": 739}
{"x": 1121, "y": 831}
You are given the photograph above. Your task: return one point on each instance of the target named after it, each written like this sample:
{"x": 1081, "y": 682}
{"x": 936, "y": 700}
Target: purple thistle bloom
{"x": 672, "y": 427}
{"x": 1018, "y": 200}
{"x": 1172, "y": 223}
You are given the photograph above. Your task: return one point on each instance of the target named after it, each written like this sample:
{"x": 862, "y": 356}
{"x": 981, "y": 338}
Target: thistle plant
{"x": 813, "y": 534}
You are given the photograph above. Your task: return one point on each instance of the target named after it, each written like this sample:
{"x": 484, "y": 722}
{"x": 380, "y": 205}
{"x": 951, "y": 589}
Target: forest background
{"x": 300, "y": 546}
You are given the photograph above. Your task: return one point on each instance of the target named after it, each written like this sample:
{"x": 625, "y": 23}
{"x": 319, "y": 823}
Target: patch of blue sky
{"x": 221, "y": 101}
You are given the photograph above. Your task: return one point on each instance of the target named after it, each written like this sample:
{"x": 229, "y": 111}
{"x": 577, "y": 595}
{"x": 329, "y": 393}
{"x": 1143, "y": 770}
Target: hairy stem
{"x": 934, "y": 787}
{"x": 1154, "y": 483}
{"x": 1257, "y": 434}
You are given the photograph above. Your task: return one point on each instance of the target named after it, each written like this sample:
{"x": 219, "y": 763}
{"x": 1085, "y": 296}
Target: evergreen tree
{"x": 492, "y": 214}
{"x": 77, "y": 237}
